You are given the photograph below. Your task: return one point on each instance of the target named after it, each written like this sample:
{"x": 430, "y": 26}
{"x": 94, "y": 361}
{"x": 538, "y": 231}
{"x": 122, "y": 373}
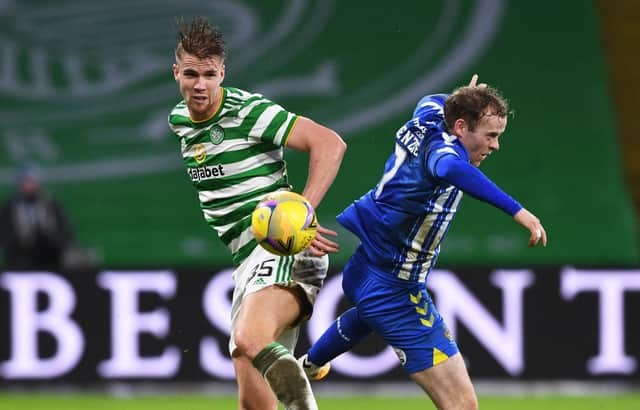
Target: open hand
{"x": 320, "y": 245}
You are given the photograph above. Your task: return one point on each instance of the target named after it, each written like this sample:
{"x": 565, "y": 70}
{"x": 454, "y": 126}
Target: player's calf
{"x": 286, "y": 378}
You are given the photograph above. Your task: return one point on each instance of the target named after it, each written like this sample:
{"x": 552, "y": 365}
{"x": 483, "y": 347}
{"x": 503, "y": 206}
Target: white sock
{"x": 286, "y": 378}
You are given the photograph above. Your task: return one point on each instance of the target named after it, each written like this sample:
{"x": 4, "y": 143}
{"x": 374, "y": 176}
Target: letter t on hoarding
{"x": 611, "y": 286}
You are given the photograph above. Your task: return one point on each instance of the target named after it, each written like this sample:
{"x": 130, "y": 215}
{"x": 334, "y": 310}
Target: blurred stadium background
{"x": 86, "y": 88}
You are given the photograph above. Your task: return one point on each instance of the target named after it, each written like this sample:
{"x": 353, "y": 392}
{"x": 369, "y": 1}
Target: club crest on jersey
{"x": 200, "y": 153}
{"x": 216, "y": 134}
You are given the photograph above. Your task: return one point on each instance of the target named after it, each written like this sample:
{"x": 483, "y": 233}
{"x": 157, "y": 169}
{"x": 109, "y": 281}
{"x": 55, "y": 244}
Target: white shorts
{"x": 262, "y": 269}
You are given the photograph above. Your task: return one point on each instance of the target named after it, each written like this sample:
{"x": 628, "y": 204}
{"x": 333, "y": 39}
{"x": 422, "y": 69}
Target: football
{"x": 284, "y": 223}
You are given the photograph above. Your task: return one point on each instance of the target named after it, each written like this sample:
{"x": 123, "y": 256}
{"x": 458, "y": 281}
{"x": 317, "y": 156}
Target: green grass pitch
{"x": 195, "y": 402}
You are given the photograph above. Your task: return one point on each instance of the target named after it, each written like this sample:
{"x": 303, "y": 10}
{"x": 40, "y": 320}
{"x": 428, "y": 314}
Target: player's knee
{"x": 245, "y": 344}
{"x": 468, "y": 401}
{"x": 462, "y": 400}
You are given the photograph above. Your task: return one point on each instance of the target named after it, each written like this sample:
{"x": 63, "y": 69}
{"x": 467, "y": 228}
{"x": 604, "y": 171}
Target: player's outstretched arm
{"x": 326, "y": 149}
{"x": 532, "y": 223}
{"x": 472, "y": 181}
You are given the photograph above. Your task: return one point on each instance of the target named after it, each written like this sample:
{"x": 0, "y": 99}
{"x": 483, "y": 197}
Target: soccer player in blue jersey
{"x": 401, "y": 224}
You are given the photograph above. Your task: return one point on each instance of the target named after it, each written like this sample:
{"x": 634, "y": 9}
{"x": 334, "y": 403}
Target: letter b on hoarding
{"x": 27, "y": 321}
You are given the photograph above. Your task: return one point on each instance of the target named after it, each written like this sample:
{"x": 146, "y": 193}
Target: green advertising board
{"x": 86, "y": 88}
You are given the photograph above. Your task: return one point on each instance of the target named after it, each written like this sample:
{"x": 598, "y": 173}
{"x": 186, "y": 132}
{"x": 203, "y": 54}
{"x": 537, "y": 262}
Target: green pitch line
{"x": 194, "y": 402}
{"x": 622, "y": 402}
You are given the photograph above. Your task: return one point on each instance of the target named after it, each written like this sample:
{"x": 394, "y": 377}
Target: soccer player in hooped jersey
{"x": 232, "y": 145}
{"x": 402, "y": 222}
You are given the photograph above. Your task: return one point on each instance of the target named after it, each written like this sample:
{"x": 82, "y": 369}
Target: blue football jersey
{"x": 403, "y": 220}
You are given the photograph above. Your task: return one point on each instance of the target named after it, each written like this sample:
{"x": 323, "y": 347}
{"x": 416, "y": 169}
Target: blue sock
{"x": 347, "y": 330}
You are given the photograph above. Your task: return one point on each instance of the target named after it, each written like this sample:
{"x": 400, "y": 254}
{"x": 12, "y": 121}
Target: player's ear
{"x": 460, "y": 127}
{"x": 222, "y": 71}
{"x": 176, "y": 72}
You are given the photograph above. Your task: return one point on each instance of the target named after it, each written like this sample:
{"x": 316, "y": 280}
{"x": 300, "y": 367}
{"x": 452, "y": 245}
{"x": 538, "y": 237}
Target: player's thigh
{"x": 448, "y": 384}
{"x": 259, "y": 315}
{"x": 273, "y": 307}
{"x": 253, "y": 391}
{"x": 307, "y": 273}
{"x": 408, "y": 321}
{"x": 263, "y": 317}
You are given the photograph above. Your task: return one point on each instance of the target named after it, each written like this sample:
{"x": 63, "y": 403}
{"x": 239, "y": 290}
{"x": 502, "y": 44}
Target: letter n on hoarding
{"x": 457, "y": 304}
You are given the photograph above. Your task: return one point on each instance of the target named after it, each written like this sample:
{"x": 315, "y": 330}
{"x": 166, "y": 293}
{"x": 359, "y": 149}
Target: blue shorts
{"x": 401, "y": 312}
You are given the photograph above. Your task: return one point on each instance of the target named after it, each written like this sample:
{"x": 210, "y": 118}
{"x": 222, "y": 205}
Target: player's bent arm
{"x": 325, "y": 148}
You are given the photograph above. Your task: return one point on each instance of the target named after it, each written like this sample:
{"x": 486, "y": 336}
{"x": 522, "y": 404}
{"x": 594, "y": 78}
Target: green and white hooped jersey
{"x": 233, "y": 159}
